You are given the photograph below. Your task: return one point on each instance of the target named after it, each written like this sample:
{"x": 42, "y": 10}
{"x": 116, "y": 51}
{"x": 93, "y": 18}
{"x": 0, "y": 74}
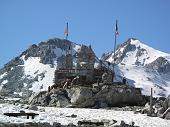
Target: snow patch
{"x": 3, "y": 75}
{"x": 4, "y": 82}
{"x": 19, "y": 93}
{"x": 25, "y": 85}
{"x": 33, "y": 68}
{"x": 1, "y": 86}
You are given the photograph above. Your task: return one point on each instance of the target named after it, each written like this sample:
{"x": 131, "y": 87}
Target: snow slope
{"x": 146, "y": 56}
{"x": 132, "y": 57}
{"x": 33, "y": 67}
{"x": 61, "y": 115}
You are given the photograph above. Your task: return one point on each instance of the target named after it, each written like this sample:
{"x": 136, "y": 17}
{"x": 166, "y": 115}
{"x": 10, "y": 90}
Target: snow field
{"x": 62, "y": 115}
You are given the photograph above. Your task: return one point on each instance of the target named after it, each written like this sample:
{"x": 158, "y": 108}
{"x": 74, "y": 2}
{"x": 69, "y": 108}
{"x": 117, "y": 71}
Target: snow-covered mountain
{"x": 143, "y": 66}
{"x": 34, "y": 69}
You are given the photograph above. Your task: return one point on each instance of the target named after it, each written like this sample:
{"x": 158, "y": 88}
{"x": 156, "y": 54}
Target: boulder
{"x": 164, "y": 112}
{"x": 58, "y": 101}
{"x": 44, "y": 125}
{"x": 56, "y": 97}
{"x": 38, "y": 98}
{"x": 89, "y": 123}
{"x": 123, "y": 124}
{"x": 79, "y": 95}
{"x": 55, "y": 124}
{"x": 146, "y": 109}
{"x": 119, "y": 96}
{"x": 166, "y": 103}
{"x": 167, "y": 116}
{"x": 33, "y": 107}
{"x": 114, "y": 95}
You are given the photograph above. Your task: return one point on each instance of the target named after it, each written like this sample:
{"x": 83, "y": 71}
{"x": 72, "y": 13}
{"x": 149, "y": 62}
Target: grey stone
{"x": 71, "y": 125}
{"x": 59, "y": 101}
{"x": 79, "y": 95}
{"x": 30, "y": 124}
{"x": 33, "y": 107}
{"x": 42, "y": 110}
{"x": 44, "y": 125}
{"x": 55, "y": 124}
{"x": 114, "y": 95}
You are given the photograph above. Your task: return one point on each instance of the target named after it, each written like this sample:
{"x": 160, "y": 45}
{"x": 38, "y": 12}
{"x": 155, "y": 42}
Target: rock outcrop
{"x": 79, "y": 96}
{"x": 57, "y": 98}
{"x": 161, "y": 65}
{"x": 115, "y": 95}
{"x": 165, "y": 110}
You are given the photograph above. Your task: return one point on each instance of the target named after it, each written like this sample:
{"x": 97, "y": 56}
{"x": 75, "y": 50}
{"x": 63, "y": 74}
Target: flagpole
{"x": 66, "y": 30}
{"x": 116, "y": 30}
{"x": 115, "y": 47}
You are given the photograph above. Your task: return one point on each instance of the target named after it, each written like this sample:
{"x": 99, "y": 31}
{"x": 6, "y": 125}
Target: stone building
{"x": 85, "y": 62}
{"x": 84, "y": 66}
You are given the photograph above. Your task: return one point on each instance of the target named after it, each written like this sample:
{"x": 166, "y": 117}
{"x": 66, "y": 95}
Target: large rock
{"x": 79, "y": 94}
{"x": 38, "y": 98}
{"x": 115, "y": 96}
{"x": 57, "y": 98}
{"x": 58, "y": 101}
{"x": 165, "y": 110}
{"x": 166, "y": 103}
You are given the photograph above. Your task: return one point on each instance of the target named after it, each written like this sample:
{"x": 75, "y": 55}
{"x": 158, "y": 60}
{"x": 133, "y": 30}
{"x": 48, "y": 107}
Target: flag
{"x": 116, "y": 29}
{"x": 66, "y": 30}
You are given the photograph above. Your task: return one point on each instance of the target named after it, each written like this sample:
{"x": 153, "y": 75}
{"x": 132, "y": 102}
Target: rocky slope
{"x": 33, "y": 70}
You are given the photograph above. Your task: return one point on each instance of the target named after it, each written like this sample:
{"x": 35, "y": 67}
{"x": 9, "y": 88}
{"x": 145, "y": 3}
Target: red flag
{"x": 66, "y": 30}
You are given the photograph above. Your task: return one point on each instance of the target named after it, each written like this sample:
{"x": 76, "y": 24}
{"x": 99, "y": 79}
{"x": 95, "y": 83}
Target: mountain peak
{"x": 143, "y": 66}
{"x": 134, "y": 52}
{"x": 33, "y": 70}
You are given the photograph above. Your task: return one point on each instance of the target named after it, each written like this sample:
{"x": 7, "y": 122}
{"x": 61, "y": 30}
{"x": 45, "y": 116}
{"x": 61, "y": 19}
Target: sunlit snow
{"x": 139, "y": 76}
{"x": 61, "y": 115}
{"x": 33, "y": 67}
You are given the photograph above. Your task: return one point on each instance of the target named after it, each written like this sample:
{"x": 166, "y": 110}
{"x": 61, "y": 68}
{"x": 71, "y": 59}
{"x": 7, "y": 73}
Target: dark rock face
{"x": 45, "y": 50}
{"x": 90, "y": 124}
{"x": 161, "y": 65}
{"x": 140, "y": 52}
{"x": 123, "y": 124}
{"x": 15, "y": 82}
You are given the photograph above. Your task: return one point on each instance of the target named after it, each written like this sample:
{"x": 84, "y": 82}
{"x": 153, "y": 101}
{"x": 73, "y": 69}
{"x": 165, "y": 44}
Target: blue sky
{"x": 27, "y": 22}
